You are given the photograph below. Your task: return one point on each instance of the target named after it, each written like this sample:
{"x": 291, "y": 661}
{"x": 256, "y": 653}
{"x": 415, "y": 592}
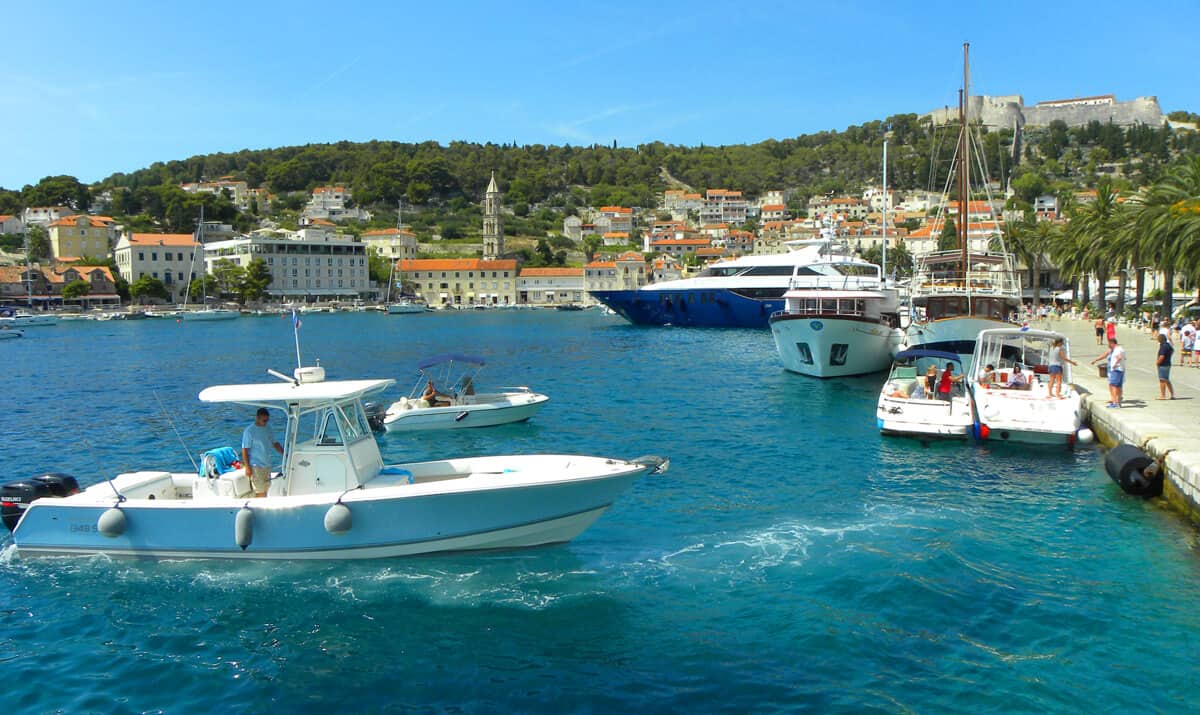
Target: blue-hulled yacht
{"x": 741, "y": 292}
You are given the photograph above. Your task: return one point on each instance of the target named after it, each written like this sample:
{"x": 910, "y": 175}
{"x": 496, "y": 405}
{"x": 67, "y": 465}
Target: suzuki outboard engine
{"x": 376, "y": 411}
{"x": 15, "y": 497}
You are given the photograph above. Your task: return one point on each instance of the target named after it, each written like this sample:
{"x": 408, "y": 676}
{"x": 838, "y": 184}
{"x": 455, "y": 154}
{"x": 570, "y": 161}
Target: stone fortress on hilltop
{"x": 1009, "y": 111}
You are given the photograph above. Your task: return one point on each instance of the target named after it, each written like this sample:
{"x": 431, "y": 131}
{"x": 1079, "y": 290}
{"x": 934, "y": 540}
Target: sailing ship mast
{"x": 964, "y": 163}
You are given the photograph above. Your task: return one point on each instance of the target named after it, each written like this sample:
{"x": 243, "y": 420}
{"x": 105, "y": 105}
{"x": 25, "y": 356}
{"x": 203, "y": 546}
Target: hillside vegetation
{"x": 442, "y": 184}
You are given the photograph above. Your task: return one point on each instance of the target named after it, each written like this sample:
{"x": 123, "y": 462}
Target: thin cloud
{"x": 574, "y": 130}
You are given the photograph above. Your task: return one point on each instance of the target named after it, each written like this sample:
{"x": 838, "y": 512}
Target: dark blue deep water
{"x": 791, "y": 558}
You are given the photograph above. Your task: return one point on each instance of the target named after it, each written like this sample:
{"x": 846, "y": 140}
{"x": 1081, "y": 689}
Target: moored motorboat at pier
{"x": 1014, "y": 400}
{"x": 908, "y": 403}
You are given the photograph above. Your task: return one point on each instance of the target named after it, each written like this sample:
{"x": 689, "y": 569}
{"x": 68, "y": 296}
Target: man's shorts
{"x": 1116, "y": 378}
{"x": 260, "y": 479}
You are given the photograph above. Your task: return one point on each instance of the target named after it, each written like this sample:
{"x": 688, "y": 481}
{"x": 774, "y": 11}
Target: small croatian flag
{"x": 295, "y": 319}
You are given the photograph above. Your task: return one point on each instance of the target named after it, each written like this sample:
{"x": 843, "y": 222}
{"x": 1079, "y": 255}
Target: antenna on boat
{"x": 177, "y": 435}
{"x": 296, "y": 334}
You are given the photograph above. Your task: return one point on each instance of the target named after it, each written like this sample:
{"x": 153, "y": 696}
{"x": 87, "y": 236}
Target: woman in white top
{"x": 1058, "y": 357}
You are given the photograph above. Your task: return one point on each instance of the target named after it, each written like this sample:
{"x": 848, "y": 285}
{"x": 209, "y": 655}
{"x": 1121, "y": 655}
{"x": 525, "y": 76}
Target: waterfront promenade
{"x": 1166, "y": 429}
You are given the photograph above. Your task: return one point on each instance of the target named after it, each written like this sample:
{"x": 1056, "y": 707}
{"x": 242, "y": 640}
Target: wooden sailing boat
{"x": 957, "y": 293}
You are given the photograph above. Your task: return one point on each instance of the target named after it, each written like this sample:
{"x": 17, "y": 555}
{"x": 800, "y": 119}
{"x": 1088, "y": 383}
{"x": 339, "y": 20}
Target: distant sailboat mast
{"x": 883, "y": 233}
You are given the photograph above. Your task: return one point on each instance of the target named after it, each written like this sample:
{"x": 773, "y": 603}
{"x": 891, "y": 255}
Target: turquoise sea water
{"x": 790, "y": 558}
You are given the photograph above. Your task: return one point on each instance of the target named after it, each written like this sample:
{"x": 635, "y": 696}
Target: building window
{"x": 154, "y": 256}
{"x": 141, "y": 256}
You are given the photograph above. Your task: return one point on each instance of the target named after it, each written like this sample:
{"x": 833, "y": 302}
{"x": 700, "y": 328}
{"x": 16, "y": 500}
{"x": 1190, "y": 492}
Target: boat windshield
{"x": 343, "y": 423}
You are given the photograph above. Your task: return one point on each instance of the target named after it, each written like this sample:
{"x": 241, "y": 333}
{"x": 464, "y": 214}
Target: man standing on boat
{"x": 256, "y": 442}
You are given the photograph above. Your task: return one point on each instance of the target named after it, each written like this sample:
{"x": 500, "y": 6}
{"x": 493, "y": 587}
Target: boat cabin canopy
{"x": 1005, "y": 348}
{"x": 278, "y": 394}
{"x": 449, "y": 357}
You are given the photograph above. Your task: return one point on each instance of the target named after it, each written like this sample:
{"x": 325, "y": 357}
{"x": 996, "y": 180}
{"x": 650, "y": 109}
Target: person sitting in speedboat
{"x": 433, "y": 397}
{"x": 987, "y": 375}
{"x": 1018, "y": 380}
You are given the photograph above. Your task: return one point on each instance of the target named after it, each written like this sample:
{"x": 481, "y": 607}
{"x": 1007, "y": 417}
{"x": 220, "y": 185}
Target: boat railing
{"x": 999, "y": 283}
{"x": 834, "y": 283}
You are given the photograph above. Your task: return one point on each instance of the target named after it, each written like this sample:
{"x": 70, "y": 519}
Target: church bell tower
{"x": 493, "y": 223}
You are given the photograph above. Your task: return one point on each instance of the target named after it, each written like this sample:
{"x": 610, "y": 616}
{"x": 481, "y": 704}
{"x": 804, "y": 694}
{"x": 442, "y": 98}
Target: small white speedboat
{"x": 907, "y": 404}
{"x": 24, "y": 319}
{"x": 333, "y": 498}
{"x": 460, "y": 407}
{"x": 1023, "y": 410}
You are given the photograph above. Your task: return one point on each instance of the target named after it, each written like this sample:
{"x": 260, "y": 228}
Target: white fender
{"x": 243, "y": 527}
{"x": 111, "y": 523}
{"x": 338, "y": 519}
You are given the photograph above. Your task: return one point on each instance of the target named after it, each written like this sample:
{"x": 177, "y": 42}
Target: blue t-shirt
{"x": 260, "y": 442}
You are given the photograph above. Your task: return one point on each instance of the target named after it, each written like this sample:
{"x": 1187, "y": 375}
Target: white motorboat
{"x": 1023, "y": 410}
{"x": 907, "y": 405}
{"x": 333, "y": 498}
{"x": 837, "y": 333}
{"x": 23, "y": 319}
{"x": 460, "y": 407}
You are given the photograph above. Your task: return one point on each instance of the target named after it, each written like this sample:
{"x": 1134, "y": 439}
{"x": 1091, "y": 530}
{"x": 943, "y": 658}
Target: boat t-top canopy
{"x": 920, "y": 353}
{"x": 448, "y": 357}
{"x": 1019, "y": 334}
{"x": 271, "y": 394}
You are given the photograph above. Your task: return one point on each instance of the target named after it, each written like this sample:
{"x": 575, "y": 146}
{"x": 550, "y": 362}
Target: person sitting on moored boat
{"x": 987, "y": 375}
{"x": 433, "y": 397}
{"x": 1017, "y": 381}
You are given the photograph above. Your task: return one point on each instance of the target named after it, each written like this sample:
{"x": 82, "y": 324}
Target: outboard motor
{"x": 15, "y": 497}
{"x": 376, "y": 411}
{"x": 1134, "y": 471}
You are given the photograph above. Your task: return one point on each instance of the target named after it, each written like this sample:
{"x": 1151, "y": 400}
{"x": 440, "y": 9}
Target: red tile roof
{"x": 92, "y": 221}
{"x": 573, "y": 272}
{"x": 162, "y": 239}
{"x": 456, "y": 264}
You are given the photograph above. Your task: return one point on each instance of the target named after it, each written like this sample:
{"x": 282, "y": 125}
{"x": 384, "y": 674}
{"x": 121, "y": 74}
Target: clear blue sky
{"x": 89, "y": 89}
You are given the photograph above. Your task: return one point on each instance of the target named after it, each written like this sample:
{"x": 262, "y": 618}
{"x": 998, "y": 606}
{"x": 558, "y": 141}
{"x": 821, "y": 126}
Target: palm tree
{"x": 1093, "y": 227}
{"x": 1167, "y": 218}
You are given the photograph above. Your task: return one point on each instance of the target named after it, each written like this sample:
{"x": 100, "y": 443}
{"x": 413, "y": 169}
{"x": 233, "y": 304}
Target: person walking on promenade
{"x": 1164, "y": 369}
{"x": 1058, "y": 357}
{"x": 1187, "y": 341}
{"x": 1099, "y": 330}
{"x": 1116, "y": 371}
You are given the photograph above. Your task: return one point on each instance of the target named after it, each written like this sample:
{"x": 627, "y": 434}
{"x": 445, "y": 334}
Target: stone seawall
{"x": 1166, "y": 430}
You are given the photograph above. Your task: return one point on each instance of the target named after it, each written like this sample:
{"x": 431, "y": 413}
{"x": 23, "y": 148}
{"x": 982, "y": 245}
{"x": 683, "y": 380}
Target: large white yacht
{"x": 740, "y": 292}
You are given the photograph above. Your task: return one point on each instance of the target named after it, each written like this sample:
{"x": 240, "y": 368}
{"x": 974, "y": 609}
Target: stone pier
{"x": 1166, "y": 430}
